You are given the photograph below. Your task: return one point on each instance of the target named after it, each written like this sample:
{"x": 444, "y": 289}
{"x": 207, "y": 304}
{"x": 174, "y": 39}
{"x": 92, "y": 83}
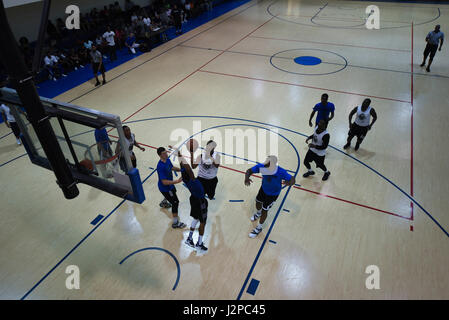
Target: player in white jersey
{"x": 362, "y": 124}
{"x": 317, "y": 150}
{"x": 208, "y": 163}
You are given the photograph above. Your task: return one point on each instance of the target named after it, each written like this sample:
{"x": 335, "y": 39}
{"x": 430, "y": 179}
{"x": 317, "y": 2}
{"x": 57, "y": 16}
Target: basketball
{"x": 192, "y": 145}
{"x": 86, "y": 163}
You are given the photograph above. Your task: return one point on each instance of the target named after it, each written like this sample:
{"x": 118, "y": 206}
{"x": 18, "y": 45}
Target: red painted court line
{"x": 303, "y": 86}
{"x": 192, "y": 73}
{"x": 411, "y": 136}
{"x": 331, "y": 197}
{"x": 333, "y": 44}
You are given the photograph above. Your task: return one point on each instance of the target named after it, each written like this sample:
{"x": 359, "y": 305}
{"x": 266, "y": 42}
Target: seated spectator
{"x": 52, "y": 66}
{"x": 64, "y": 61}
{"x": 83, "y": 55}
{"x": 88, "y": 44}
{"x": 131, "y": 43}
{"x": 75, "y": 58}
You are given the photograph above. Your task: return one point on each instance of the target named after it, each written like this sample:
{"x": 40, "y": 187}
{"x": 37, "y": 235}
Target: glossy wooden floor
{"x": 238, "y": 70}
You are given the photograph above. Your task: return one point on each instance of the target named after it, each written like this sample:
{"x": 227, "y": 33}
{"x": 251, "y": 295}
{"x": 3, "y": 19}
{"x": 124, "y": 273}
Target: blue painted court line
{"x": 101, "y": 222}
{"x": 253, "y": 286}
{"x": 286, "y": 210}
{"x": 304, "y": 135}
{"x": 319, "y": 11}
{"x": 236, "y": 200}
{"x": 150, "y": 168}
{"x": 272, "y": 241}
{"x": 269, "y": 11}
{"x": 1, "y": 165}
{"x": 163, "y": 250}
{"x": 97, "y": 219}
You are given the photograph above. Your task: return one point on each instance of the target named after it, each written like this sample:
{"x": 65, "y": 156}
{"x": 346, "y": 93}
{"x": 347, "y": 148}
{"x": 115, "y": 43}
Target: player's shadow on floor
{"x": 361, "y": 153}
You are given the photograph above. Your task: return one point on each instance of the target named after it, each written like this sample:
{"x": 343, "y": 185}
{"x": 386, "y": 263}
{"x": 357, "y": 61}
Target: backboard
{"x": 93, "y": 143}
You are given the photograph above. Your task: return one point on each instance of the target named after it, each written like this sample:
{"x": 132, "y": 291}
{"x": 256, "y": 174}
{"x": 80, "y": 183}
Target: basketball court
{"x": 383, "y": 205}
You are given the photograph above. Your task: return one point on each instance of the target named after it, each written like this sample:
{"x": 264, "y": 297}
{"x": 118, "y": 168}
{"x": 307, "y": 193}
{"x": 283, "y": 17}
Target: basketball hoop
{"x": 105, "y": 159}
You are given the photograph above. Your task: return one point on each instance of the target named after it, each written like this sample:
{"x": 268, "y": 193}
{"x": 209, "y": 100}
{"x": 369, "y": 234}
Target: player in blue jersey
{"x": 198, "y": 203}
{"x": 166, "y": 184}
{"x": 273, "y": 176}
{"x": 325, "y": 110}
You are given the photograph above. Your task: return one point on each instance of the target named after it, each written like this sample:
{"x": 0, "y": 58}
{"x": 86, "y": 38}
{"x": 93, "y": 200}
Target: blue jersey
{"x": 164, "y": 171}
{"x": 195, "y": 186}
{"x": 101, "y": 135}
{"x": 323, "y": 111}
{"x": 272, "y": 184}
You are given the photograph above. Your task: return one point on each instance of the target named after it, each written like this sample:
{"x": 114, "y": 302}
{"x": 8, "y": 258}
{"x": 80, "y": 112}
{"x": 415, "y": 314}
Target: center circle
{"x": 307, "y": 60}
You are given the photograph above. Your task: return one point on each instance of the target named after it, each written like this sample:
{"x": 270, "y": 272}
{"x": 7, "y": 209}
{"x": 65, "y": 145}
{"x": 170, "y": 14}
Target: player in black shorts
{"x": 432, "y": 40}
{"x": 361, "y": 125}
{"x": 317, "y": 150}
{"x": 198, "y": 203}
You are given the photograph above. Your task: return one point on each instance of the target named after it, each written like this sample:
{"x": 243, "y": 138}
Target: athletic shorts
{"x": 266, "y": 200}
{"x": 358, "y": 131}
{"x": 209, "y": 186}
{"x": 312, "y": 156}
{"x": 172, "y": 198}
{"x": 95, "y": 68}
{"x": 198, "y": 209}
{"x": 432, "y": 49}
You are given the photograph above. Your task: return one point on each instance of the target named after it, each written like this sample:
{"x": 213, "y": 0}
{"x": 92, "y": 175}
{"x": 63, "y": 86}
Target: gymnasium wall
{"x": 25, "y": 19}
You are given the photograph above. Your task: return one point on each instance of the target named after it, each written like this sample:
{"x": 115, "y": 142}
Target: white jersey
{"x": 130, "y": 143}
{"x": 362, "y": 117}
{"x": 206, "y": 168}
{"x": 7, "y": 111}
{"x": 109, "y": 36}
{"x": 318, "y": 141}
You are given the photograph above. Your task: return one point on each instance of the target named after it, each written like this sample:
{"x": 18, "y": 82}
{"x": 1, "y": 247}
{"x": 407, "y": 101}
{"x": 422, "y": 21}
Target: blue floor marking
{"x": 253, "y": 286}
{"x": 272, "y": 241}
{"x": 97, "y": 219}
{"x": 325, "y": 26}
{"x": 304, "y": 135}
{"x": 288, "y": 130}
{"x": 163, "y": 250}
{"x": 95, "y": 228}
{"x": 325, "y": 62}
{"x": 236, "y": 200}
{"x": 286, "y": 210}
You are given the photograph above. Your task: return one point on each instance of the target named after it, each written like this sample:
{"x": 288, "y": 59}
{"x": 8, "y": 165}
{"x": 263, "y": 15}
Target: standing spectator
{"x": 147, "y": 23}
{"x": 10, "y": 121}
{"x": 97, "y": 64}
{"x": 109, "y": 36}
{"x": 177, "y": 19}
